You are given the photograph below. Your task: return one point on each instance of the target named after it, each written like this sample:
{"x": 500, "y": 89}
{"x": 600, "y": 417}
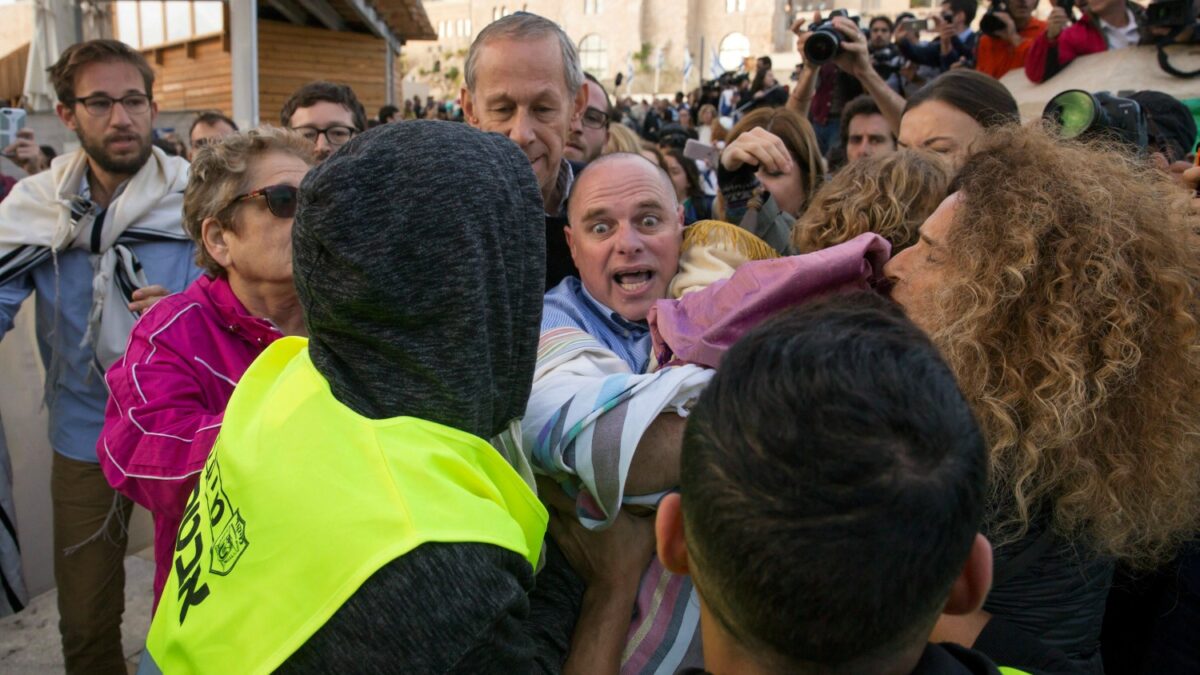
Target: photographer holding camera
{"x": 852, "y": 56}
{"x": 1105, "y": 24}
{"x": 955, "y": 47}
{"x": 1009, "y": 30}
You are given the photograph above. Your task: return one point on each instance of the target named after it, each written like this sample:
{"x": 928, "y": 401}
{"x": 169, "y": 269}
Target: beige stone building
{"x": 613, "y": 35}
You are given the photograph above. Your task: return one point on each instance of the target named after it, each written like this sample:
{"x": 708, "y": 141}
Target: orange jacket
{"x": 997, "y": 57}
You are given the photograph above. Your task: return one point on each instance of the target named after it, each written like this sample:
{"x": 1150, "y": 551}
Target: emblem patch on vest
{"x": 228, "y": 526}
{"x": 226, "y": 541}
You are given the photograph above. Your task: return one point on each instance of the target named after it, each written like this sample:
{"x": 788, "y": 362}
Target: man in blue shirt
{"x": 89, "y": 236}
{"x": 597, "y": 422}
{"x": 955, "y": 46}
{"x": 624, "y": 235}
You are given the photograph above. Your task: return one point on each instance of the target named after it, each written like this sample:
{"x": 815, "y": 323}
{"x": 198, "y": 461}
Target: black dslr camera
{"x": 1171, "y": 14}
{"x": 1076, "y": 113}
{"x": 825, "y": 43}
{"x": 990, "y": 24}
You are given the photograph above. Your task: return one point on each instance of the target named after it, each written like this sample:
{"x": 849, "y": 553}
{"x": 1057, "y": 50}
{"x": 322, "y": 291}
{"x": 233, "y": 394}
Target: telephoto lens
{"x": 1079, "y": 114}
{"x": 825, "y": 42}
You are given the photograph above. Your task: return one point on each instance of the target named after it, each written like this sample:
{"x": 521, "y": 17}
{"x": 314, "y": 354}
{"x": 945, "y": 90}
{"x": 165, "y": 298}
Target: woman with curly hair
{"x": 1060, "y": 282}
{"x": 768, "y": 172}
{"x": 890, "y": 196}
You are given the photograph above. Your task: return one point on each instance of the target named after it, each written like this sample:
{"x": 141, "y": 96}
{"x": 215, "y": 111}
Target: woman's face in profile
{"x": 942, "y": 129}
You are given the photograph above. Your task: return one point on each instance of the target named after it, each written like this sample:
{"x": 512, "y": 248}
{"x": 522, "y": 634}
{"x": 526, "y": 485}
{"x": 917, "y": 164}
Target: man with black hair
{"x": 325, "y": 113}
{"x": 956, "y": 43}
{"x": 1006, "y": 50}
{"x": 208, "y": 127}
{"x": 388, "y": 113}
{"x": 865, "y": 131}
{"x": 589, "y": 131}
{"x": 832, "y": 487}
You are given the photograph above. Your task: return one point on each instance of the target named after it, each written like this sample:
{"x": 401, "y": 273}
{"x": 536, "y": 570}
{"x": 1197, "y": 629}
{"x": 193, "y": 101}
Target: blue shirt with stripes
{"x": 569, "y": 305}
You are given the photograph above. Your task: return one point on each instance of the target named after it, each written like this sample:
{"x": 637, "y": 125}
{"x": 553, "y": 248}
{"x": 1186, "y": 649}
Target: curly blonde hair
{"x": 219, "y": 173}
{"x": 1070, "y": 319}
{"x": 890, "y": 196}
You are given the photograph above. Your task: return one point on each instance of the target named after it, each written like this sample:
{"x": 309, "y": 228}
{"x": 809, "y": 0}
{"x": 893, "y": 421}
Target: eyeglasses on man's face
{"x": 101, "y": 105}
{"x": 595, "y": 118}
{"x": 335, "y": 135}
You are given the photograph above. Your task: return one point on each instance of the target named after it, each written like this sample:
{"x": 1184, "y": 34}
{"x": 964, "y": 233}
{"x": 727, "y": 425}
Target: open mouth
{"x": 634, "y": 281}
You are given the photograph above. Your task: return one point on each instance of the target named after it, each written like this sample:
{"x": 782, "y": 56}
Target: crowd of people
{"x": 870, "y": 376}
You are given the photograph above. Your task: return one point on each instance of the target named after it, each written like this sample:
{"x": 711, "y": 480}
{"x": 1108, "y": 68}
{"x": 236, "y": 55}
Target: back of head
{"x": 315, "y": 92}
{"x": 982, "y": 97}
{"x": 833, "y": 481}
{"x": 1172, "y": 126}
{"x": 419, "y": 252}
{"x": 80, "y": 54}
{"x": 524, "y": 26}
{"x": 890, "y": 196}
{"x": 1074, "y": 335}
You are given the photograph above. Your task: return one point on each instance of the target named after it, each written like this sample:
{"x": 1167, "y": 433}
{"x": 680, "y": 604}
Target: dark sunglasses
{"x": 281, "y": 199}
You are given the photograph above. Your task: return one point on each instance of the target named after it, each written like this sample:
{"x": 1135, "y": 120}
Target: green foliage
{"x": 642, "y": 56}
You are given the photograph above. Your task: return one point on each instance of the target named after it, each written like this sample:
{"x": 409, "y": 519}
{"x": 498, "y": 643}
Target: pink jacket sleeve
{"x": 158, "y": 426}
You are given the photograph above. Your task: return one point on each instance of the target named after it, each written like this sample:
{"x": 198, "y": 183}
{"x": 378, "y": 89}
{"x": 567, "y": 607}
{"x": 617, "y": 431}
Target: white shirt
{"x": 1120, "y": 38}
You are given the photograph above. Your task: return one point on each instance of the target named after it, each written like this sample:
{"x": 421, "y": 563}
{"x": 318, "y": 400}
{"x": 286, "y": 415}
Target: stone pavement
{"x": 29, "y": 642}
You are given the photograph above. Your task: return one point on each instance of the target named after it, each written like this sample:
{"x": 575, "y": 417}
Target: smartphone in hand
{"x": 702, "y": 152}
{"x": 12, "y": 120}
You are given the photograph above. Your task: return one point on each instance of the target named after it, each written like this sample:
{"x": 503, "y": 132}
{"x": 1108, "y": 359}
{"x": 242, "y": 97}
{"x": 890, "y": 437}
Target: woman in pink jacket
{"x": 186, "y": 354}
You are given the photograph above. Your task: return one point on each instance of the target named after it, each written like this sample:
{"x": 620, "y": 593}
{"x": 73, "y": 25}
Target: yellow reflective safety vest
{"x": 301, "y": 501}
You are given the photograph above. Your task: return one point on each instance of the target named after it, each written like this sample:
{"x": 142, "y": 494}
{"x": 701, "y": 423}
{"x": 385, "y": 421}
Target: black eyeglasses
{"x": 100, "y": 105}
{"x": 336, "y": 135}
{"x": 595, "y": 118}
{"x": 281, "y": 199}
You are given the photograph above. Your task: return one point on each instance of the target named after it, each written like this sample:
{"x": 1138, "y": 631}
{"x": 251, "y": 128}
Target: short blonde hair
{"x": 890, "y": 196}
{"x": 219, "y": 173}
{"x": 621, "y": 139}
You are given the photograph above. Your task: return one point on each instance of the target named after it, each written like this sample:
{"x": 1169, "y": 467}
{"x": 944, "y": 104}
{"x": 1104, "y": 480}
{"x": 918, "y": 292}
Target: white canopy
{"x": 43, "y": 52}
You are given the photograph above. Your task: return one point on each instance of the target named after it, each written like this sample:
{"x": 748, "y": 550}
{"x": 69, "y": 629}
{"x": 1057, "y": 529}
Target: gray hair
{"x": 526, "y": 26}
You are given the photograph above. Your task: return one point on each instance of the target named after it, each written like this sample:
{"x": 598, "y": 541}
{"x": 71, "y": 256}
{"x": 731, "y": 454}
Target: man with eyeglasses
{"x": 523, "y": 81}
{"x": 325, "y": 113}
{"x": 589, "y": 132}
{"x": 83, "y": 235}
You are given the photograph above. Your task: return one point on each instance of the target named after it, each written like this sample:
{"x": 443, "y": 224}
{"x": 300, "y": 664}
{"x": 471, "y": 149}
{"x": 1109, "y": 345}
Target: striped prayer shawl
{"x": 586, "y": 414}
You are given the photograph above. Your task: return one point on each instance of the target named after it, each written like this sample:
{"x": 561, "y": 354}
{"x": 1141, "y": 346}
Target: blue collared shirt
{"x": 569, "y": 305}
{"x": 64, "y": 297}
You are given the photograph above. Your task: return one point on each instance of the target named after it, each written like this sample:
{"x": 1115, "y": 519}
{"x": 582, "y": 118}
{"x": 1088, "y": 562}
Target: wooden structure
{"x": 353, "y": 42}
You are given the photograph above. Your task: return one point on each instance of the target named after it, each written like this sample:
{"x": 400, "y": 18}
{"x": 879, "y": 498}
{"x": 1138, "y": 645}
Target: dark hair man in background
{"x": 209, "y": 126}
{"x": 832, "y": 490}
{"x": 325, "y": 113}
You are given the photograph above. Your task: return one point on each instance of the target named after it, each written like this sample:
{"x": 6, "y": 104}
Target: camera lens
{"x": 821, "y": 47}
{"x": 1073, "y": 111}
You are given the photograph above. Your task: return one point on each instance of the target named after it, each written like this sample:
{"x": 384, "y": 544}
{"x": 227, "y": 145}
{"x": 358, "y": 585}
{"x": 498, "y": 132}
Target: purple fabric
{"x": 699, "y": 327}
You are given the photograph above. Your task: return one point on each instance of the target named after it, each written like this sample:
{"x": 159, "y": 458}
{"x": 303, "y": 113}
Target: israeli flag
{"x": 687, "y": 64}
{"x": 717, "y": 69}
{"x": 628, "y": 72}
